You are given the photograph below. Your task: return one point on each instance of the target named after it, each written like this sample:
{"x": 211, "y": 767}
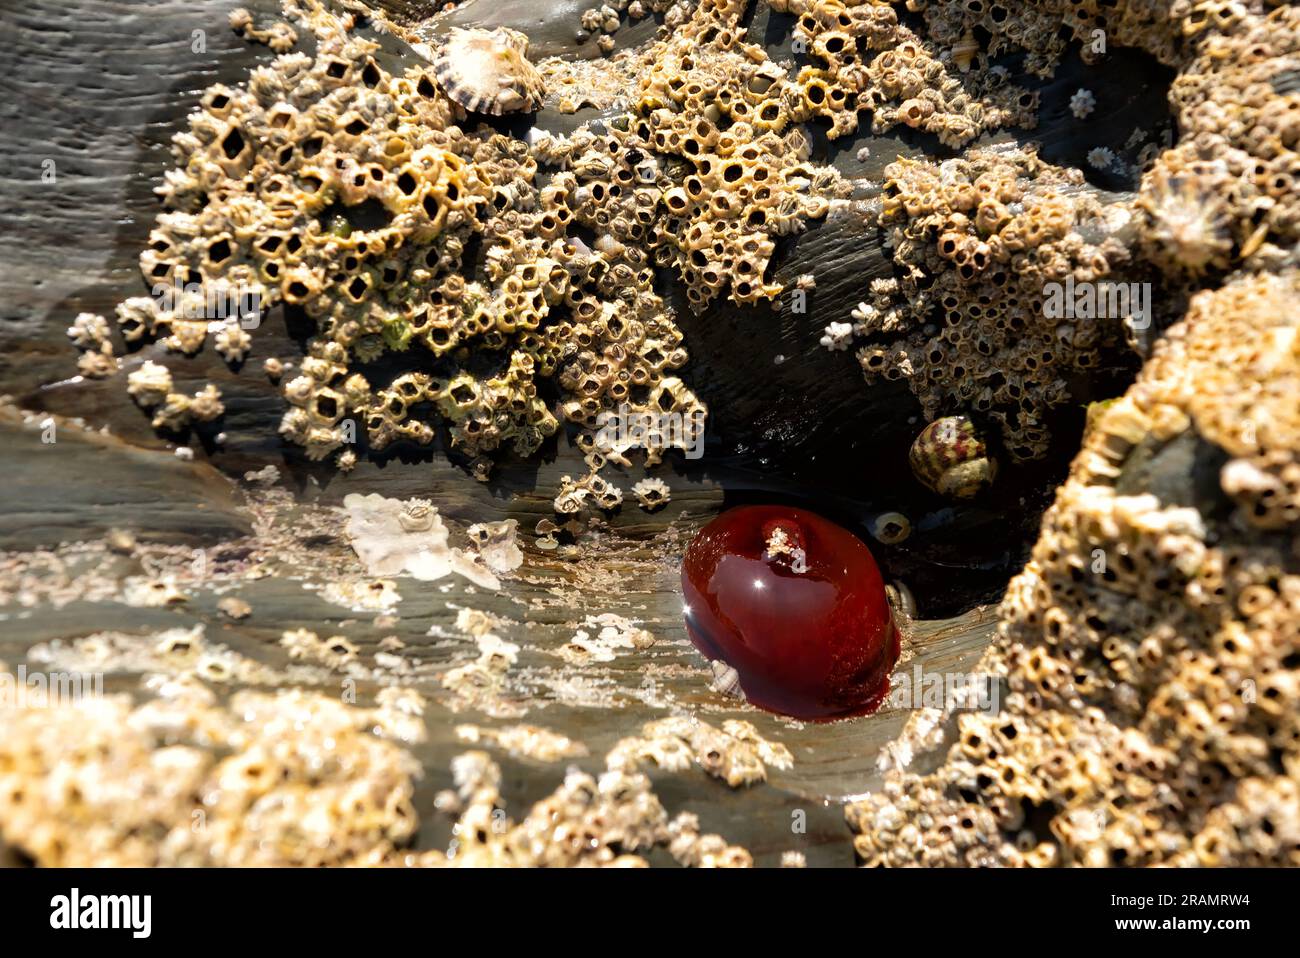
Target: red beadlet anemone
{"x": 796, "y": 605}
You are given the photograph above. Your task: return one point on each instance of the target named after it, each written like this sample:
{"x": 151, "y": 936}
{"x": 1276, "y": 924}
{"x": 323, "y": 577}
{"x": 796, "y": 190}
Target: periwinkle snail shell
{"x": 949, "y": 457}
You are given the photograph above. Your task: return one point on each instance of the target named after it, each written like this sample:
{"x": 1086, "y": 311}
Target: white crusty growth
{"x": 392, "y": 536}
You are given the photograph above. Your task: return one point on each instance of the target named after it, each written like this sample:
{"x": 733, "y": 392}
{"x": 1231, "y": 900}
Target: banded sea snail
{"x": 950, "y": 457}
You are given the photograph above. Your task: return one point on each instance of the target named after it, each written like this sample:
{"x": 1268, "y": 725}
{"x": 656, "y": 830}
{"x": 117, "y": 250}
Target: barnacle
{"x": 278, "y": 36}
{"x": 652, "y": 493}
{"x": 891, "y": 528}
{"x": 978, "y": 240}
{"x": 735, "y": 753}
{"x": 88, "y": 330}
{"x": 1082, "y": 103}
{"x": 495, "y": 542}
{"x": 964, "y": 50}
{"x": 1100, "y": 158}
{"x": 150, "y": 384}
{"x": 837, "y": 336}
{"x": 232, "y": 342}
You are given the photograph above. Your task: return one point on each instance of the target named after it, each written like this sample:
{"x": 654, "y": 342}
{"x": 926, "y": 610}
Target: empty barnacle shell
{"x": 890, "y": 527}
{"x": 417, "y": 515}
{"x": 120, "y": 541}
{"x": 964, "y": 50}
{"x": 950, "y": 458}
{"x": 234, "y": 607}
{"x": 647, "y": 170}
{"x": 496, "y": 544}
{"x": 486, "y": 71}
{"x": 652, "y": 493}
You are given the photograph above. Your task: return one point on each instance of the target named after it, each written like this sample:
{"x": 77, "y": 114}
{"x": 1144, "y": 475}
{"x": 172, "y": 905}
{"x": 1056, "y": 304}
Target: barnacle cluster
{"x": 335, "y": 187}
{"x": 590, "y": 820}
{"x": 284, "y": 778}
{"x": 728, "y": 118}
{"x": 1045, "y": 29}
{"x": 299, "y": 779}
{"x": 89, "y": 332}
{"x": 349, "y": 190}
{"x": 608, "y": 819}
{"x": 527, "y": 741}
{"x": 1226, "y": 194}
{"x": 183, "y": 652}
{"x": 600, "y": 638}
{"x": 150, "y": 385}
{"x": 335, "y": 651}
{"x": 923, "y": 83}
{"x": 277, "y": 35}
{"x": 480, "y": 683}
{"x": 733, "y": 122}
{"x": 1151, "y": 646}
{"x": 195, "y": 768}
{"x": 604, "y": 21}
{"x": 735, "y": 753}
{"x": 977, "y": 240}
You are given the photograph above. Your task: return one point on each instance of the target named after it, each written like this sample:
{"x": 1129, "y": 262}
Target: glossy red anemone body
{"x": 795, "y": 604}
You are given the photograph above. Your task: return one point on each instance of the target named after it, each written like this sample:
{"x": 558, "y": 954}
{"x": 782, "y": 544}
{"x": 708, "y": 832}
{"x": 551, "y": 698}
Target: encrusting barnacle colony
{"x": 337, "y": 188}
{"x": 738, "y": 179}
{"x": 307, "y": 780}
{"x": 357, "y": 189}
{"x": 1150, "y": 644}
{"x": 977, "y": 240}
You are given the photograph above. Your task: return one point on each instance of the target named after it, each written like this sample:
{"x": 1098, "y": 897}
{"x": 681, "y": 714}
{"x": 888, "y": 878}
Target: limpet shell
{"x": 486, "y": 71}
